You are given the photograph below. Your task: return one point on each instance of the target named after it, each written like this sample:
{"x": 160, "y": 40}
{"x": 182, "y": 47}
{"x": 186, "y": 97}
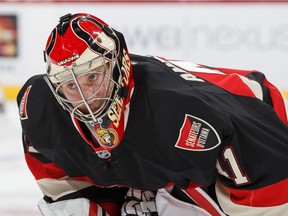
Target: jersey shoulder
{"x": 36, "y": 80}
{"x": 42, "y": 117}
{"x": 34, "y": 94}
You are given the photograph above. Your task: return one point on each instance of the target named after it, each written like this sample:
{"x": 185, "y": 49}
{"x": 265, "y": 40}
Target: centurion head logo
{"x": 107, "y": 137}
{"x": 197, "y": 135}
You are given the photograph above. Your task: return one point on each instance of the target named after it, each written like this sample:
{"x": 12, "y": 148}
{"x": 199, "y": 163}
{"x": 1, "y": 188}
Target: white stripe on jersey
{"x": 202, "y": 198}
{"x": 254, "y": 86}
{"x": 56, "y": 188}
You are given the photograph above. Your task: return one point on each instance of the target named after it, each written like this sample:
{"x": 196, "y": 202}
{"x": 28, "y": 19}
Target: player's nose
{"x": 88, "y": 90}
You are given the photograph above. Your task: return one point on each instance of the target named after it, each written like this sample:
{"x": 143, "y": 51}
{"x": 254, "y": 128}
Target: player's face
{"x": 95, "y": 86}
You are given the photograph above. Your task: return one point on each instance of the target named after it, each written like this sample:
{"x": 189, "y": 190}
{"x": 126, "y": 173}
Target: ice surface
{"x": 19, "y": 193}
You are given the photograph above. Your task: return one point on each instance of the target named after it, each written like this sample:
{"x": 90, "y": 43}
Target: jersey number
{"x": 238, "y": 177}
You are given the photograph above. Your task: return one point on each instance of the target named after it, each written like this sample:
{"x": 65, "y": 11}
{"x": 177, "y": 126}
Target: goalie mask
{"x": 89, "y": 71}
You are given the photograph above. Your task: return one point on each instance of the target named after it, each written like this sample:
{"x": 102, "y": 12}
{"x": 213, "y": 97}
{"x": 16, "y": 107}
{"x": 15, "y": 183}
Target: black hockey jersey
{"x": 187, "y": 124}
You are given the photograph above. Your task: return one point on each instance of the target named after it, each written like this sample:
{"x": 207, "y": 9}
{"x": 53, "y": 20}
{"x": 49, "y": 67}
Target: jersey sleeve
{"x": 254, "y": 156}
{"x": 51, "y": 179}
{"x": 55, "y": 184}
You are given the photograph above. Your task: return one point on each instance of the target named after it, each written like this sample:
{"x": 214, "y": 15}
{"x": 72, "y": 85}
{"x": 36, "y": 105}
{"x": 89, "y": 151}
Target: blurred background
{"x": 234, "y": 34}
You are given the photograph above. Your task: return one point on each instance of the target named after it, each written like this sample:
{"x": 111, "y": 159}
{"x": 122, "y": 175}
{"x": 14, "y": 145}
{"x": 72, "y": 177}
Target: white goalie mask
{"x": 82, "y": 56}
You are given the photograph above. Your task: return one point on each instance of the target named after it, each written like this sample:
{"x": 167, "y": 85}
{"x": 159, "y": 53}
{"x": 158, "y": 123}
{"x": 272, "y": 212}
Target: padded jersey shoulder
{"x": 28, "y": 84}
{"x": 34, "y": 96}
{"x": 44, "y": 122}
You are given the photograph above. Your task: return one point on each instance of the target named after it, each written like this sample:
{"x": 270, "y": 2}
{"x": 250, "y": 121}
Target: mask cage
{"x": 72, "y": 73}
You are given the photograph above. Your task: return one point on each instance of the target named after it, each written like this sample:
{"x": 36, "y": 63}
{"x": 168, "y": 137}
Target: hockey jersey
{"x": 188, "y": 124}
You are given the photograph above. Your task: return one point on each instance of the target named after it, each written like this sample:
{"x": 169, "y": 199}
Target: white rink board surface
{"x": 18, "y": 190}
{"x": 238, "y": 35}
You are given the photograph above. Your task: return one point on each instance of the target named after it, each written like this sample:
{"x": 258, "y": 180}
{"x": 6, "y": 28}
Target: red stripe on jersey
{"x": 271, "y": 195}
{"x": 112, "y": 209}
{"x": 235, "y": 71}
{"x": 93, "y": 210}
{"x": 204, "y": 201}
{"x": 277, "y": 101}
{"x": 231, "y": 83}
{"x": 41, "y": 170}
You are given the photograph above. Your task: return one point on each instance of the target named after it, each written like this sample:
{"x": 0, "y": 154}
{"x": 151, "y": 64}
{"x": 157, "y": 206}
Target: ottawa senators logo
{"x": 107, "y": 137}
{"x": 23, "y": 104}
{"x": 197, "y": 135}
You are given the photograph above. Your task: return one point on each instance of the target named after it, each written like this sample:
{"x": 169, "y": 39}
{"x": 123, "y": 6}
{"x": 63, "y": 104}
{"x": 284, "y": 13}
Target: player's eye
{"x": 93, "y": 77}
{"x": 71, "y": 86}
